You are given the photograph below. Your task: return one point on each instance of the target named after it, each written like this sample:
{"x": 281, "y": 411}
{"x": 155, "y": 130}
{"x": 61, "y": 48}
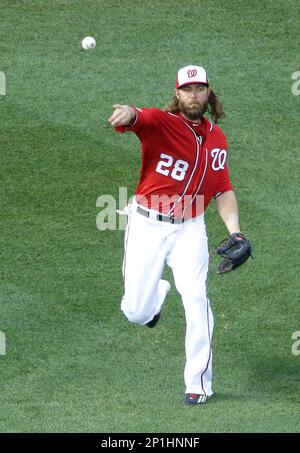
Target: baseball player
{"x": 184, "y": 166}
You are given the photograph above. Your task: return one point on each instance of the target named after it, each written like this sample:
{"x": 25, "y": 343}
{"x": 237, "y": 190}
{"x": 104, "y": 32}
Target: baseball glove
{"x": 235, "y": 250}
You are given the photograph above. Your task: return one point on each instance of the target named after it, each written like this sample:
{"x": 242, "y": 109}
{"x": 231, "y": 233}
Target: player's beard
{"x": 193, "y": 110}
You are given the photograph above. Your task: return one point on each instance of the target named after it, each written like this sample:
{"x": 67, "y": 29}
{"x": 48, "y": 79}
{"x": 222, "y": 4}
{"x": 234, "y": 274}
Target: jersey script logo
{"x": 219, "y": 158}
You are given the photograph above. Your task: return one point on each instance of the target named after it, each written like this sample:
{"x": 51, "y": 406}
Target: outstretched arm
{"x": 229, "y": 211}
{"x": 122, "y": 115}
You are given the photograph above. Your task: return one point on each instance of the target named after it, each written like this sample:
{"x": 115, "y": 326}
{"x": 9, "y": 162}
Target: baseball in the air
{"x": 88, "y": 42}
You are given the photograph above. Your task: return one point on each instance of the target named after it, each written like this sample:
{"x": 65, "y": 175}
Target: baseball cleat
{"x": 154, "y": 320}
{"x": 195, "y": 398}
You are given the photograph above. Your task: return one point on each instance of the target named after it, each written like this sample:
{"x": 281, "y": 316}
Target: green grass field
{"x": 73, "y": 363}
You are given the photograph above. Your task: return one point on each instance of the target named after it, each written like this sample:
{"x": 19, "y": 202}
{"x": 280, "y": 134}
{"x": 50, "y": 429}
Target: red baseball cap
{"x": 191, "y": 74}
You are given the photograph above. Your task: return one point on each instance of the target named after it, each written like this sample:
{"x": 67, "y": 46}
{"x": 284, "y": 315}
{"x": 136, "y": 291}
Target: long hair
{"x": 215, "y": 107}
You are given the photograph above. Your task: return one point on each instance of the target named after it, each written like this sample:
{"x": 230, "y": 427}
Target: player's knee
{"x": 134, "y": 312}
{"x": 135, "y": 317}
{"x": 194, "y": 293}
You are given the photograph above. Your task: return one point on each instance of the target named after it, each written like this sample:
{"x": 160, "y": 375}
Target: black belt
{"x": 160, "y": 217}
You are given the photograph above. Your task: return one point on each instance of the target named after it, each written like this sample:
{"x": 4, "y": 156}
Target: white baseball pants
{"x": 149, "y": 245}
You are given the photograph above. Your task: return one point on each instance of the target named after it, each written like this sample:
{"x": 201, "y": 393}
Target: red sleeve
{"x": 145, "y": 119}
{"x": 224, "y": 183}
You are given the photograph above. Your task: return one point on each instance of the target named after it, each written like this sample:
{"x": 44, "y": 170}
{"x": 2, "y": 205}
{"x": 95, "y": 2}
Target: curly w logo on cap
{"x": 191, "y": 74}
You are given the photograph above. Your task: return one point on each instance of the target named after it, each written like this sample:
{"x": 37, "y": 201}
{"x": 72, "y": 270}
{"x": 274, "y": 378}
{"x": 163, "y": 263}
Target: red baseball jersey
{"x": 183, "y": 163}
